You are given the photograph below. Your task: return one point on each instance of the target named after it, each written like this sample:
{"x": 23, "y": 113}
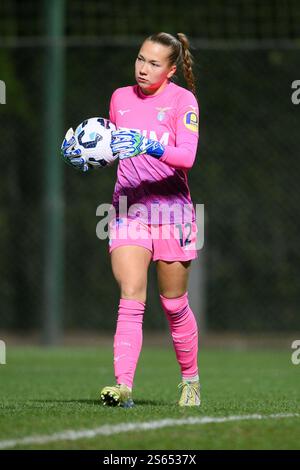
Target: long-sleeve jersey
{"x": 158, "y": 188}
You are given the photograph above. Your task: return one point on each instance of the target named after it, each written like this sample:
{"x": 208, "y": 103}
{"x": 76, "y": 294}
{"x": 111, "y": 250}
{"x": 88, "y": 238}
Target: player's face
{"x": 152, "y": 68}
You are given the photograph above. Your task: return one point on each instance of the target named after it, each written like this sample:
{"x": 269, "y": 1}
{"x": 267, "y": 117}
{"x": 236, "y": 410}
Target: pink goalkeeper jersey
{"x": 158, "y": 188}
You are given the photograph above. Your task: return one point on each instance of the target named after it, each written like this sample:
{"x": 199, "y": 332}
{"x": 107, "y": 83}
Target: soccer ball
{"x": 93, "y": 137}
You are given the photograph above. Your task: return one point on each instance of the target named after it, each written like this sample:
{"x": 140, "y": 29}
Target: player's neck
{"x": 156, "y": 91}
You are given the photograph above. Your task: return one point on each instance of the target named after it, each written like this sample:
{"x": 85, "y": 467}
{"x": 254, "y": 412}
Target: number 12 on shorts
{"x": 187, "y": 240}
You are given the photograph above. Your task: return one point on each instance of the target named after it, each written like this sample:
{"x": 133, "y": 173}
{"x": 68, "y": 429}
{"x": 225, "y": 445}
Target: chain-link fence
{"x": 246, "y": 174}
{"x": 213, "y": 19}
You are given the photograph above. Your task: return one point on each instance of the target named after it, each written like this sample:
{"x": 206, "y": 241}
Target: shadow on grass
{"x": 97, "y": 402}
{"x": 80, "y": 401}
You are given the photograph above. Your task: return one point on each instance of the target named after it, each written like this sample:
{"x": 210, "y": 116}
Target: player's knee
{"x": 173, "y": 293}
{"x": 175, "y": 306}
{"x": 133, "y": 292}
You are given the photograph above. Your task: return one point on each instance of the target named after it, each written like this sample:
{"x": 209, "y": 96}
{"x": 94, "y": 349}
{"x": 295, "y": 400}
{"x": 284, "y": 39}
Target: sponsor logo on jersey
{"x": 190, "y": 120}
{"x": 164, "y": 139}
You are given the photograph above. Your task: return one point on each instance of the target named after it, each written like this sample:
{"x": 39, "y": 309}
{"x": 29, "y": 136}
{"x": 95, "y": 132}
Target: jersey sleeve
{"x": 182, "y": 156}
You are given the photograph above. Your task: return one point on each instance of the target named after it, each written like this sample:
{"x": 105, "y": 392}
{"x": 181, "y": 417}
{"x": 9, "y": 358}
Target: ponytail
{"x": 187, "y": 62}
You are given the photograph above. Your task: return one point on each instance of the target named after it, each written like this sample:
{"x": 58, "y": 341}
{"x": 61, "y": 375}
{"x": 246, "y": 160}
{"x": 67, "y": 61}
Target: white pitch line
{"x": 108, "y": 429}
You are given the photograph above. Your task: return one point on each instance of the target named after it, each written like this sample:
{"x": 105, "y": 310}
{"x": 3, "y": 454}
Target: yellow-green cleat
{"x": 117, "y": 395}
{"x": 190, "y": 394}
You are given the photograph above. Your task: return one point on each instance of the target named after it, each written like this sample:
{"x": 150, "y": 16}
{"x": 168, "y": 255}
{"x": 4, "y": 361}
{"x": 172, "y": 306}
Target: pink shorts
{"x": 175, "y": 242}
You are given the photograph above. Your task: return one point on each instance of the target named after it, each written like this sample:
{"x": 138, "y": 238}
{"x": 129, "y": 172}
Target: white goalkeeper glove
{"x": 72, "y": 155}
{"x": 129, "y": 143}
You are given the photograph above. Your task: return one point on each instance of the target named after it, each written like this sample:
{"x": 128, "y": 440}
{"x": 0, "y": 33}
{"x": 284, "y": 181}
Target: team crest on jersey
{"x": 190, "y": 120}
{"x": 162, "y": 113}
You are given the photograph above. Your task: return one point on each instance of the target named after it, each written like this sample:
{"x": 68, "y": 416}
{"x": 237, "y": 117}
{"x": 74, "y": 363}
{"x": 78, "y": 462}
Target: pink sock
{"x": 184, "y": 332}
{"x": 128, "y": 340}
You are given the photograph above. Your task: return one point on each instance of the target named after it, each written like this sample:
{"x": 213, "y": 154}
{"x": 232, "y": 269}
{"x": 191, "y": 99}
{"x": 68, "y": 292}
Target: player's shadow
{"x": 97, "y": 402}
{"x": 80, "y": 401}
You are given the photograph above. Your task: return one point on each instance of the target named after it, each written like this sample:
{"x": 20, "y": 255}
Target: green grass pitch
{"x": 46, "y": 391}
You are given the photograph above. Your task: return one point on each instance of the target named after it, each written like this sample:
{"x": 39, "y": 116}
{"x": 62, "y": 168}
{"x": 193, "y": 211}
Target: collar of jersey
{"x": 143, "y": 96}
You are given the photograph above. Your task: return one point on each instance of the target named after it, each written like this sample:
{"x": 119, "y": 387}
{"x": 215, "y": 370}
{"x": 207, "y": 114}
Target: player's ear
{"x": 172, "y": 71}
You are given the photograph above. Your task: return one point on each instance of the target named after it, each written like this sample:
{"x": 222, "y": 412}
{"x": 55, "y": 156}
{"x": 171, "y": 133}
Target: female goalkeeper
{"x": 156, "y": 143}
